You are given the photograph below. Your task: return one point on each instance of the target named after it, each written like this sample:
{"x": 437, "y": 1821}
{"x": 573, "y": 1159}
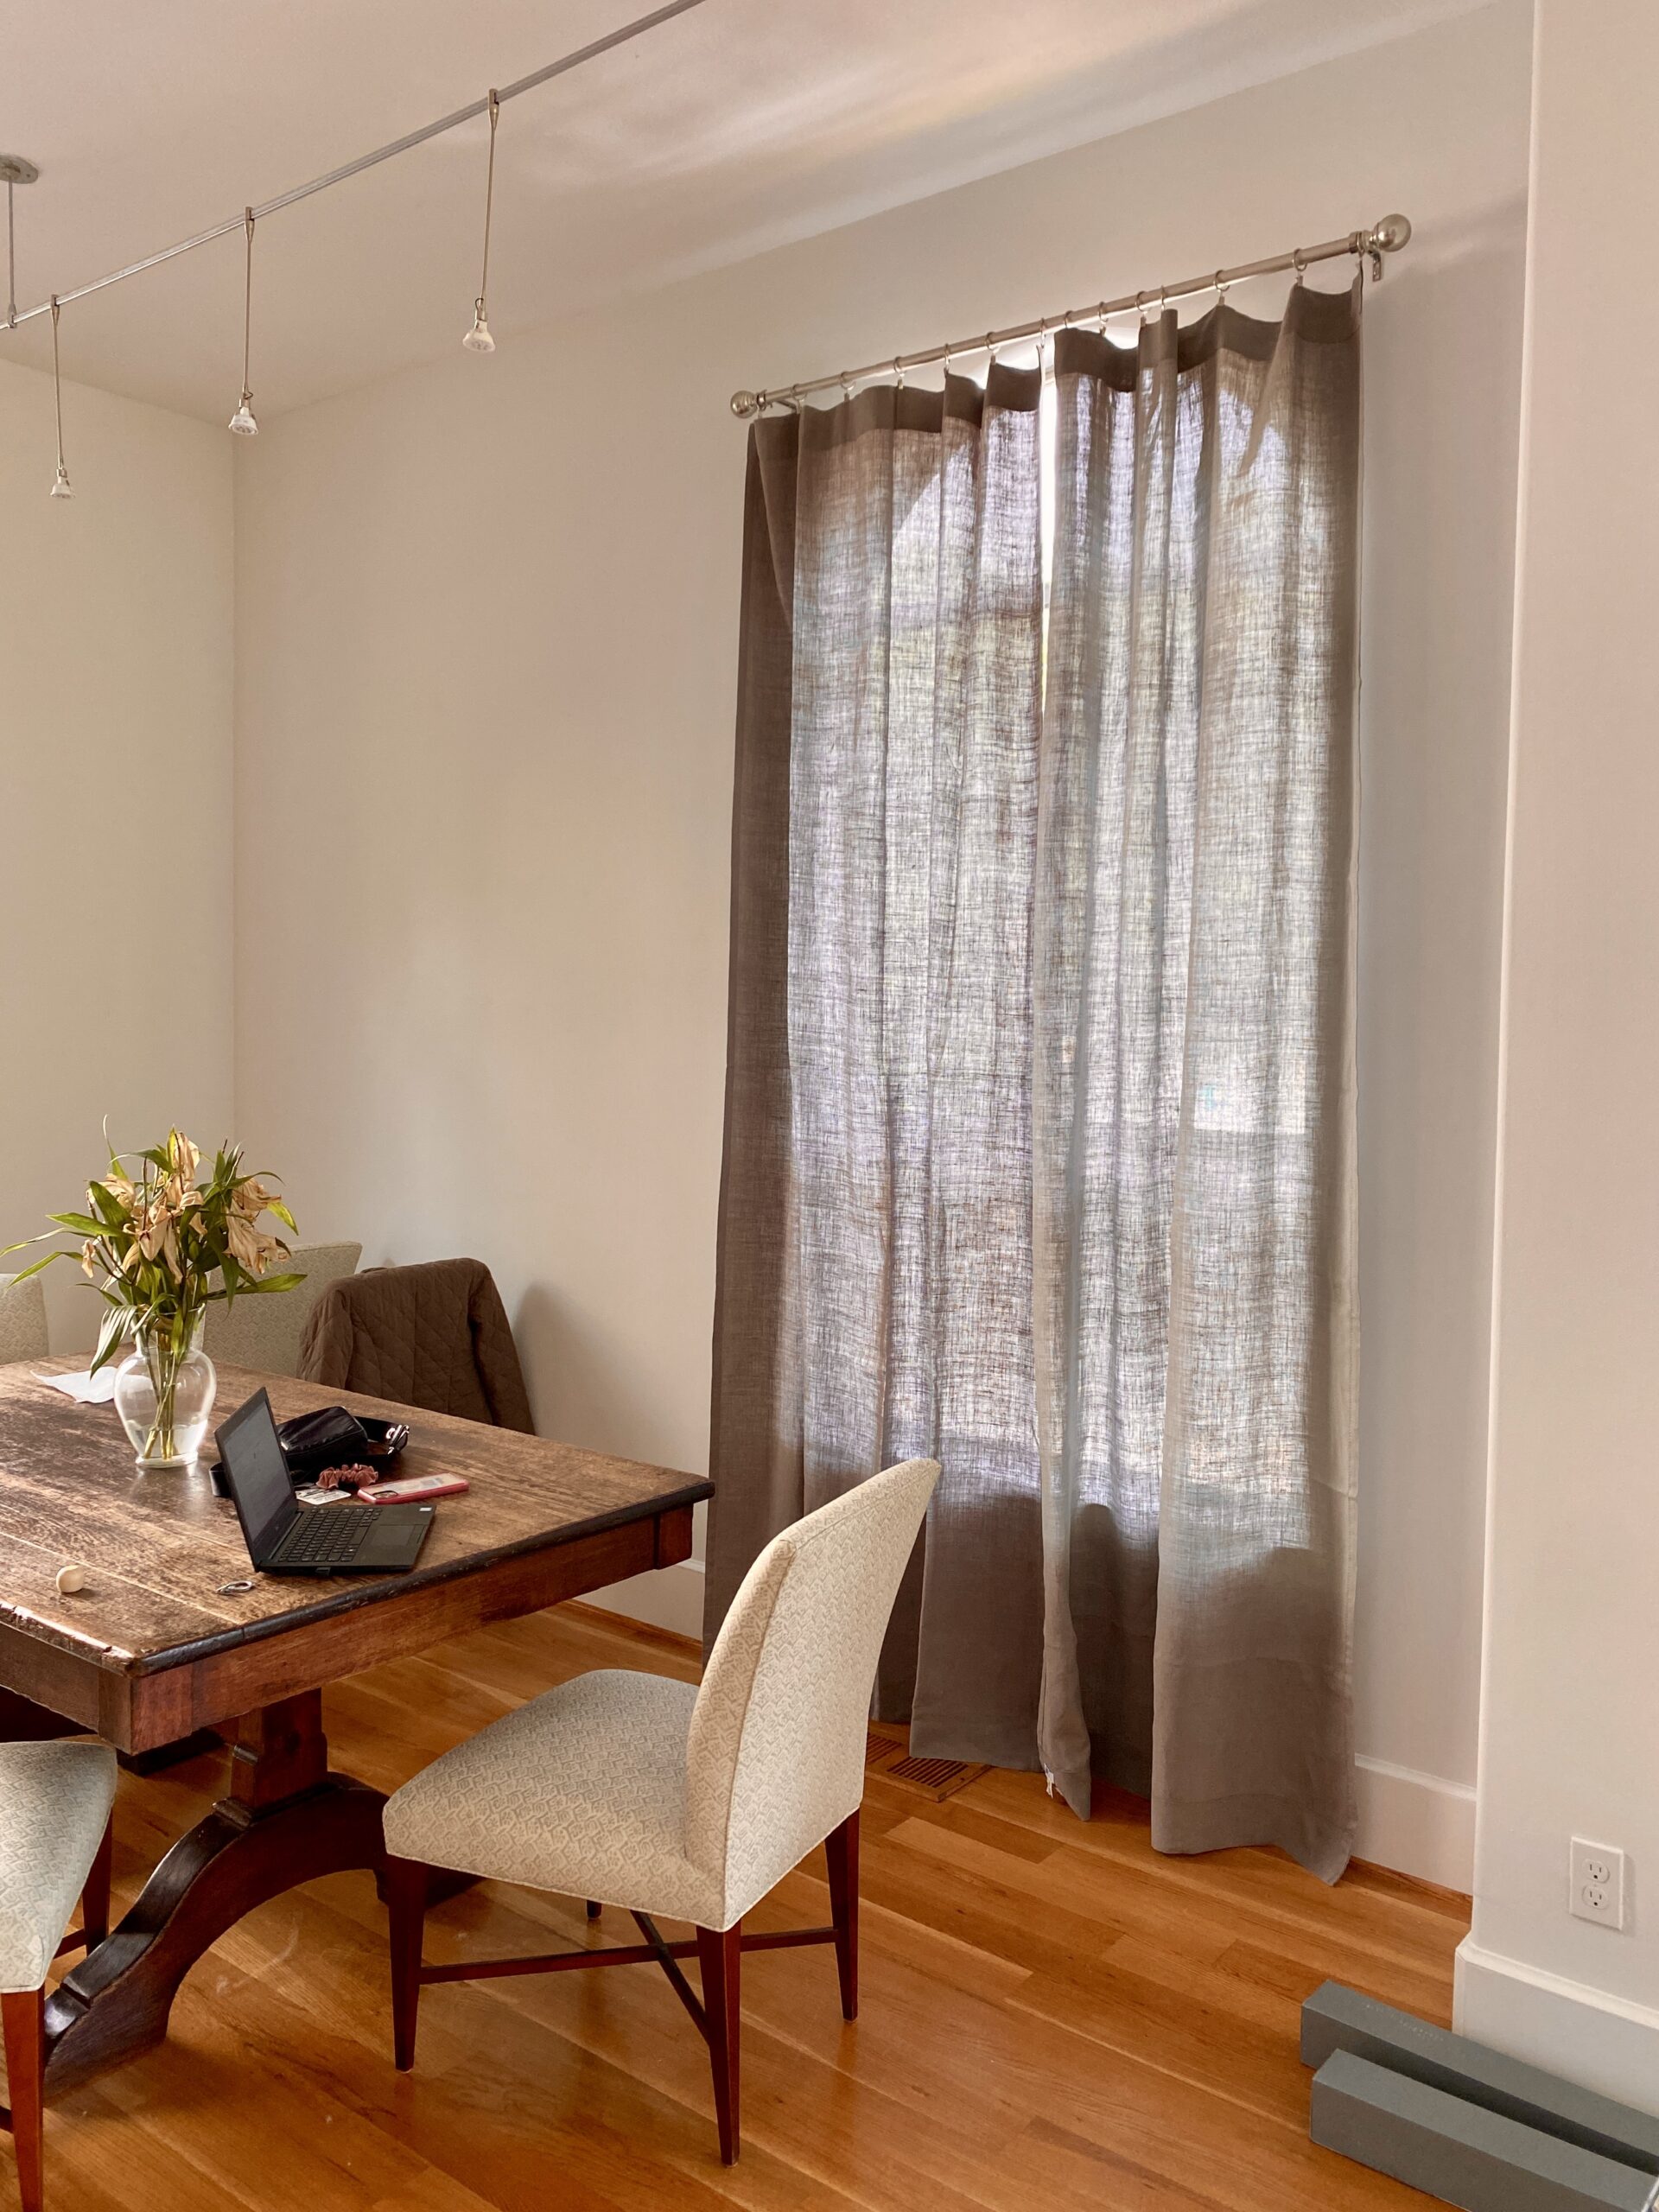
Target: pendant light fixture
{"x": 478, "y": 338}
{"x": 61, "y": 487}
{"x": 243, "y": 421}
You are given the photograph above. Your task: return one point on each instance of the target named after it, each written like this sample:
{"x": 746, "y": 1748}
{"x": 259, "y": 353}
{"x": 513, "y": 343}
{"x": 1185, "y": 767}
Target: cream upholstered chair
{"x": 23, "y": 1319}
{"x": 55, "y": 1846}
{"x": 633, "y": 1791}
{"x": 264, "y": 1333}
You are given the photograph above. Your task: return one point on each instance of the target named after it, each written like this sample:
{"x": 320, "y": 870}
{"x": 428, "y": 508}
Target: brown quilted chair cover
{"x": 435, "y": 1336}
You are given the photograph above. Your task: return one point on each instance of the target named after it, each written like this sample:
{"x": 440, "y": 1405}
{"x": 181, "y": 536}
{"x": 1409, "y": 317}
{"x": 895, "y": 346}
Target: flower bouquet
{"x": 160, "y": 1245}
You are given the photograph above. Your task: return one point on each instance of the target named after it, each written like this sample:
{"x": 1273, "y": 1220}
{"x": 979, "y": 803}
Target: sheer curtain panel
{"x": 1040, "y": 1149}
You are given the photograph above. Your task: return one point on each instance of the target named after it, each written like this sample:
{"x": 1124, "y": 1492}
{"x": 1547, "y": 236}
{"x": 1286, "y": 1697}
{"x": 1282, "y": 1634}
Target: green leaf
{"x": 23, "y": 1273}
{"x": 276, "y": 1206}
{"x": 112, "y": 1333}
{"x": 268, "y": 1283}
{"x": 115, "y": 1215}
{"x": 82, "y": 1223}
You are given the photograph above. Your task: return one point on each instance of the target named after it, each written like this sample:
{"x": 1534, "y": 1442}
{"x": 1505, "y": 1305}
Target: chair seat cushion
{"x": 580, "y": 1791}
{"x": 54, "y": 1806}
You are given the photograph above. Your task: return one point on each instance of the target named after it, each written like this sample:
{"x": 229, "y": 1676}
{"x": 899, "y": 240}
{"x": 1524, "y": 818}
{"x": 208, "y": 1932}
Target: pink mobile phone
{"x": 402, "y": 1488}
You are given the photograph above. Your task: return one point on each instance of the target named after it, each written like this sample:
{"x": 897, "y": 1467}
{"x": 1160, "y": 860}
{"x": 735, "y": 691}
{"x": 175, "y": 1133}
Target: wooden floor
{"x": 1051, "y": 2016}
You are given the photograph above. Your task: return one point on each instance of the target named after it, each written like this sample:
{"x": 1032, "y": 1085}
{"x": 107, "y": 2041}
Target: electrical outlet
{"x": 1596, "y": 1884}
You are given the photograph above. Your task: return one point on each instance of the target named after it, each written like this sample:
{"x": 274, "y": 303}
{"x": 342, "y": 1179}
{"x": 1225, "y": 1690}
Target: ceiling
{"x": 739, "y": 126}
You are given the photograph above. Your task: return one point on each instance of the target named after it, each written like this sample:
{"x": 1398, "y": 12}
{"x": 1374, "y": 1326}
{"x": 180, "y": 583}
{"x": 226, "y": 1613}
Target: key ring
{"x": 235, "y": 1589}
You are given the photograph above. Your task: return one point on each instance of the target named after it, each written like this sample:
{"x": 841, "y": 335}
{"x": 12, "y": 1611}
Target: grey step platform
{"x": 1337, "y": 2019}
{"x": 1463, "y": 2153}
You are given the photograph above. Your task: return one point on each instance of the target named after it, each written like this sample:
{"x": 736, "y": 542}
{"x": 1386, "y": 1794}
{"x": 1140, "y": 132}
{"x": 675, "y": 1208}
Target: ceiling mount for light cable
{"x": 15, "y": 169}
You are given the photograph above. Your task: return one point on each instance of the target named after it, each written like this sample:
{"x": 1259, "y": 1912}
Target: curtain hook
{"x": 990, "y": 349}
{"x": 1299, "y": 263}
{"x": 898, "y": 371}
{"x": 846, "y": 384}
{"x": 1221, "y": 284}
{"x": 1163, "y": 299}
{"x": 1140, "y": 305}
{"x": 1100, "y": 322}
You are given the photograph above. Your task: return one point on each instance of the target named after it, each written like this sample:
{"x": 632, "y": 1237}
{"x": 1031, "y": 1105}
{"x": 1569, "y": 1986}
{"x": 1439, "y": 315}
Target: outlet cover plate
{"x": 1596, "y": 1883}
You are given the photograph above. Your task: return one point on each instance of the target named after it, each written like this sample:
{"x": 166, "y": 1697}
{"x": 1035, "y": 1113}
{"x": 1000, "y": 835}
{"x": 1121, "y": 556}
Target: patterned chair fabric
{"x": 23, "y": 1319}
{"x": 54, "y": 1806}
{"x": 691, "y": 1803}
{"x": 264, "y": 1334}
{"x": 435, "y": 1336}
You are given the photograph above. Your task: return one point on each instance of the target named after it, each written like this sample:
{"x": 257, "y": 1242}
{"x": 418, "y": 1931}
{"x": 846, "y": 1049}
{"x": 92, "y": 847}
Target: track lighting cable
{"x": 559, "y": 69}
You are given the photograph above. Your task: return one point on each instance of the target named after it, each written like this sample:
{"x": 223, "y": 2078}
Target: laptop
{"x": 283, "y": 1538}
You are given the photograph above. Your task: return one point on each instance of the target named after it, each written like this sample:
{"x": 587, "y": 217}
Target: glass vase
{"x": 164, "y": 1391}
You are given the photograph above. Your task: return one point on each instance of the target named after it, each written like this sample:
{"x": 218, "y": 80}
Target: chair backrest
{"x": 23, "y": 1319}
{"x": 435, "y": 1335}
{"x": 264, "y": 1333}
{"x": 775, "y": 1758}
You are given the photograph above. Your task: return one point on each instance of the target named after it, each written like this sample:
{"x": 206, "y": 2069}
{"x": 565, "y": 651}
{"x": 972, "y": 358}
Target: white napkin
{"x": 84, "y": 1387}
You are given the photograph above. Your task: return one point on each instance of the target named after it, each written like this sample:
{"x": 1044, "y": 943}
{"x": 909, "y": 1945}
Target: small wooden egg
{"x": 71, "y": 1579}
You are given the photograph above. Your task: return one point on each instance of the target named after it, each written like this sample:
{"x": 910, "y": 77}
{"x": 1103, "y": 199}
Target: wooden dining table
{"x": 154, "y": 1646}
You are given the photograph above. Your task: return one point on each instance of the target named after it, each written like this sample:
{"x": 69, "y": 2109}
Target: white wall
{"x": 1570, "y": 1719}
{"x": 485, "y": 644}
{"x": 116, "y": 627}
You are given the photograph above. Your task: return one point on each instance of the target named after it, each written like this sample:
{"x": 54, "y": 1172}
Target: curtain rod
{"x": 1387, "y": 235}
{"x": 566, "y": 62}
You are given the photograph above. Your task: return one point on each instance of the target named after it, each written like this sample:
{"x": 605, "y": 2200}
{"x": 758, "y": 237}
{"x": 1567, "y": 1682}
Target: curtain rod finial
{"x": 745, "y": 405}
{"x": 1391, "y": 233}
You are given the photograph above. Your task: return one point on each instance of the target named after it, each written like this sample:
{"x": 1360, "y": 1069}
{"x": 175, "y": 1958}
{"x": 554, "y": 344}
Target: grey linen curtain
{"x": 1039, "y": 1150}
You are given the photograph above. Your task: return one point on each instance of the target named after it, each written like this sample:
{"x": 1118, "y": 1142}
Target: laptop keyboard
{"x": 326, "y": 1535}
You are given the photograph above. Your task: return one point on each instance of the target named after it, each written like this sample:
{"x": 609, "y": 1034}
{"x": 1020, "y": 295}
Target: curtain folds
{"x": 1039, "y": 1151}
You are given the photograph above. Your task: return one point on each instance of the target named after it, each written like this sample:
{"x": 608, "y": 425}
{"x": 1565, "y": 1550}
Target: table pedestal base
{"x": 286, "y": 1820}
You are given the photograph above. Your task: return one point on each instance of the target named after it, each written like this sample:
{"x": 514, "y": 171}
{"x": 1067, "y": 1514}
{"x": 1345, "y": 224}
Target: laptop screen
{"x": 255, "y": 1473}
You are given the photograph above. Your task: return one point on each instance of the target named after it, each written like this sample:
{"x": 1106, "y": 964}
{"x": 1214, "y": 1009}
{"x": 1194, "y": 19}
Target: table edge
{"x": 354, "y": 1596}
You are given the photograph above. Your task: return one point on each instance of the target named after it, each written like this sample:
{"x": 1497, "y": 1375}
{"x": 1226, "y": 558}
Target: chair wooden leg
{"x": 22, "y": 2018}
{"x": 406, "y": 1891}
{"x": 95, "y": 1892}
{"x": 593, "y": 1908}
{"x": 840, "y": 1849}
{"x": 720, "y": 1954}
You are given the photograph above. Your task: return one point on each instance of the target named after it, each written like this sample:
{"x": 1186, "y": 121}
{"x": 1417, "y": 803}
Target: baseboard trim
{"x": 1417, "y": 1824}
{"x": 1605, "y": 2042}
{"x": 670, "y": 1597}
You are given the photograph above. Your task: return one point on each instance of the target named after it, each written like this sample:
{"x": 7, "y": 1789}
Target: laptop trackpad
{"x": 396, "y": 1536}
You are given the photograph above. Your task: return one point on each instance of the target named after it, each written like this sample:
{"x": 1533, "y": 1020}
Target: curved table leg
{"x": 286, "y": 1820}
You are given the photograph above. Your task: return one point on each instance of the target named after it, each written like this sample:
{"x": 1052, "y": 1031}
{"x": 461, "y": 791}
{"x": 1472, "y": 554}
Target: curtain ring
{"x": 1140, "y": 305}
{"x": 990, "y": 349}
{"x": 846, "y": 384}
{"x": 1163, "y": 299}
{"x": 1299, "y": 263}
{"x": 1100, "y": 322}
{"x": 898, "y": 372}
{"x": 1221, "y": 281}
